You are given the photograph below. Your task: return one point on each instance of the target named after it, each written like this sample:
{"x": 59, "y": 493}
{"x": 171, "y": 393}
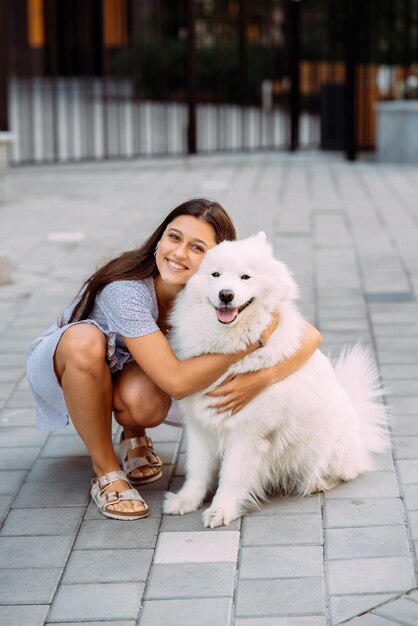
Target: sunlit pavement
{"x": 349, "y": 232}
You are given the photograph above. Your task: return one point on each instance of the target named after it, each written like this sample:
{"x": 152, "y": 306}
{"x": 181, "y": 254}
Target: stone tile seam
{"x": 398, "y": 596}
{"x": 182, "y": 597}
{"x": 364, "y": 525}
{"x": 283, "y": 545}
{"x": 286, "y": 578}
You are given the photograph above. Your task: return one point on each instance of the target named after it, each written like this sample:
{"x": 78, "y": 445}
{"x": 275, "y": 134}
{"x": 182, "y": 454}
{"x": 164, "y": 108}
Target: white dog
{"x": 304, "y": 434}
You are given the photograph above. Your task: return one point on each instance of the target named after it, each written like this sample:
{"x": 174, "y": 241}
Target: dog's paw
{"x": 175, "y": 504}
{"x": 217, "y": 516}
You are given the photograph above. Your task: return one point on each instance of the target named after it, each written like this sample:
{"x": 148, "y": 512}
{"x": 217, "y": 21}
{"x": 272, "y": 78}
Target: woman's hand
{"x": 237, "y": 390}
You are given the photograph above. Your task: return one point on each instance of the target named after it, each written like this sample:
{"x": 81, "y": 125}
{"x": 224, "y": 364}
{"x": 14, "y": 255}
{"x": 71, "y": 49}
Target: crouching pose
{"x": 109, "y": 352}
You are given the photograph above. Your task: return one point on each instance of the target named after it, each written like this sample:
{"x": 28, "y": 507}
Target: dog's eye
{"x": 245, "y": 277}
{"x": 216, "y": 274}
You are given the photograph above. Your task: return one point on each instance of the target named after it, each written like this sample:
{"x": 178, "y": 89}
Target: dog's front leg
{"x": 242, "y": 478}
{"x": 201, "y": 461}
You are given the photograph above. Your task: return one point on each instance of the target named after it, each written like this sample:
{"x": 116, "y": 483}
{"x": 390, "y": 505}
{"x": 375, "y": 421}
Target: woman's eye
{"x": 175, "y": 237}
{"x": 216, "y": 274}
{"x": 198, "y": 249}
{"x": 245, "y": 277}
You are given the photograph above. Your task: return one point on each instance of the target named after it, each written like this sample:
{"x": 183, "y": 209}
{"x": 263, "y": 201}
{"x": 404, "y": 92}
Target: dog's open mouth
{"x": 228, "y": 314}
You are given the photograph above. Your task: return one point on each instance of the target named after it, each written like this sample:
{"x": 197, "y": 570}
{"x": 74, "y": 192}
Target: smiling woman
{"x": 109, "y": 353}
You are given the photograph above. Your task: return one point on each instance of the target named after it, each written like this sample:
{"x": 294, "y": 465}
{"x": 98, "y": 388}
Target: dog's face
{"x": 236, "y": 276}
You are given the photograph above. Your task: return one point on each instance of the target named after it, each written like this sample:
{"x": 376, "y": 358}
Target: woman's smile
{"x": 175, "y": 265}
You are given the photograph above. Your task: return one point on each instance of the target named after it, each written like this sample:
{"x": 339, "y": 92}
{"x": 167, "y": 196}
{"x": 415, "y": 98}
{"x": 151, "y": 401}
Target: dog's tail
{"x": 356, "y": 371}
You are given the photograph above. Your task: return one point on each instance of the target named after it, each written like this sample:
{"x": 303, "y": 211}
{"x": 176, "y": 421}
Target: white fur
{"x": 304, "y": 434}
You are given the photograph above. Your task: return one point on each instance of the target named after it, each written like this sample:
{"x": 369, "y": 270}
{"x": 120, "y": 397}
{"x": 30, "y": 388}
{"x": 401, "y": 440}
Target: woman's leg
{"x": 138, "y": 404}
{"x": 86, "y": 381}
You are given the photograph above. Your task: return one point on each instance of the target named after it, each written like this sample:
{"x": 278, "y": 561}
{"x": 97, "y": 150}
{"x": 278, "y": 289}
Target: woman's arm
{"x": 237, "y": 390}
{"x": 178, "y": 378}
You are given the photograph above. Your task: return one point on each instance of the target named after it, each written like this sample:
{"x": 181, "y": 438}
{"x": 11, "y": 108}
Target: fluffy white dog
{"x": 307, "y": 433}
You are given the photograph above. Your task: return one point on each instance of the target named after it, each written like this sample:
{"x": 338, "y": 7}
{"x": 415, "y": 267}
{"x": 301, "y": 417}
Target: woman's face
{"x": 182, "y": 248}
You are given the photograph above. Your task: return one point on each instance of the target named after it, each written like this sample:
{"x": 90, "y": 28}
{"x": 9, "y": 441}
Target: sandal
{"x": 145, "y": 457}
{"x": 105, "y": 498}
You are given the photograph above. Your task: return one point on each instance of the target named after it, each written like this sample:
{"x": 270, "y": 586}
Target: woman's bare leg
{"x": 86, "y": 381}
{"x": 138, "y": 404}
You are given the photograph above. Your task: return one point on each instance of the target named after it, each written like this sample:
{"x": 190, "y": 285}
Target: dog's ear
{"x": 261, "y": 235}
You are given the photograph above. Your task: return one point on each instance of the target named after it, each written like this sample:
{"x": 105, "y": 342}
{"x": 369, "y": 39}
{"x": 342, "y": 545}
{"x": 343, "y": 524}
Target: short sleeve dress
{"x": 123, "y": 309}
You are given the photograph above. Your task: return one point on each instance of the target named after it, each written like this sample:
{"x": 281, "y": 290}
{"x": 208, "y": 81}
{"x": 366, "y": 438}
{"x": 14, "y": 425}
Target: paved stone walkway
{"x": 350, "y": 234}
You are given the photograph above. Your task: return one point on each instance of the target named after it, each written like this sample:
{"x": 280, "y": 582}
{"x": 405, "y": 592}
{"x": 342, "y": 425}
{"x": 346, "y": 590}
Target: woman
{"x": 109, "y": 352}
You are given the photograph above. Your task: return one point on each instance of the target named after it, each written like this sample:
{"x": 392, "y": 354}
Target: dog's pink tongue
{"x": 226, "y": 314}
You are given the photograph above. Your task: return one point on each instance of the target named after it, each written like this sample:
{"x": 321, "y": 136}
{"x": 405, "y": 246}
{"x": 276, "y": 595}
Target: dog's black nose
{"x": 226, "y": 295}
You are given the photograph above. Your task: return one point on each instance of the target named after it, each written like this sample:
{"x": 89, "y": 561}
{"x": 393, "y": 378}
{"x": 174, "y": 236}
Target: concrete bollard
{"x": 5, "y": 269}
{"x": 5, "y": 139}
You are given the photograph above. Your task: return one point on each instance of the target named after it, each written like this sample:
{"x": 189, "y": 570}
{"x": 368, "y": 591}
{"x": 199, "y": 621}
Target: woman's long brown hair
{"x": 140, "y": 263}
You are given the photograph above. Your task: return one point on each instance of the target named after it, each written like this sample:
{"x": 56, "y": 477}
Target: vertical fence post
{"x": 191, "y": 77}
{"x": 4, "y": 64}
{"x": 243, "y": 65}
{"x": 350, "y": 79}
{"x": 294, "y": 58}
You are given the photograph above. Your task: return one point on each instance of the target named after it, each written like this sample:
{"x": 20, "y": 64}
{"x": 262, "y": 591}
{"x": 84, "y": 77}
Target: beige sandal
{"x": 145, "y": 457}
{"x": 105, "y": 498}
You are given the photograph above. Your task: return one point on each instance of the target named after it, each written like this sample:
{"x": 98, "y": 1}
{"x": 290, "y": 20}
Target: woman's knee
{"x": 82, "y": 346}
{"x": 145, "y": 403}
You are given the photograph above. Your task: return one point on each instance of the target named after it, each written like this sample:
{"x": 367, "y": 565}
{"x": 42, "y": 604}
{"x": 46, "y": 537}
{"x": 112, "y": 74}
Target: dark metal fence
{"x": 95, "y": 79}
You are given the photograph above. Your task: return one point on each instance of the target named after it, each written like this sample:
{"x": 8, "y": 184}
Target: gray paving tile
{"x": 406, "y": 447}
{"x": 191, "y": 580}
{"x": 165, "y": 433}
{"x": 371, "y": 620}
{"x": 28, "y": 586}
{"x": 107, "y": 534}
{"x": 371, "y": 485}
{"x": 258, "y": 598}
{"x": 347, "y": 543}
{"x": 363, "y": 512}
{"x": 110, "y": 601}
{"x": 281, "y": 562}
{"x": 5, "y": 504}
{"x": 380, "y": 575}
{"x": 52, "y": 521}
{"x": 62, "y": 469}
{"x": 281, "y": 506}
{"x": 347, "y": 606}
{"x": 197, "y": 547}
{"x": 411, "y": 497}
{"x": 31, "y": 552}
{"x": 404, "y": 405}
{"x": 107, "y": 566}
{"x": 18, "y": 458}
{"x": 405, "y": 425}
{"x": 50, "y": 494}
{"x": 23, "y": 615}
{"x": 282, "y": 530}
{"x": 11, "y": 481}
{"x": 202, "y": 611}
{"x": 64, "y": 446}
{"x": 192, "y": 522}
{"x": 21, "y": 436}
{"x": 17, "y": 417}
{"x": 408, "y": 470}
{"x": 402, "y": 610}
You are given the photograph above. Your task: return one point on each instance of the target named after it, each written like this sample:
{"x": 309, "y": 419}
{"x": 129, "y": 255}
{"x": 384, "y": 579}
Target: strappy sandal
{"x": 145, "y": 457}
{"x": 105, "y": 498}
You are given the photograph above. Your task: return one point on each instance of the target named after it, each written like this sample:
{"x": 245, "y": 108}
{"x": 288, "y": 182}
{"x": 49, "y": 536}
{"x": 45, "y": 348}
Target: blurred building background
{"x": 97, "y": 79}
